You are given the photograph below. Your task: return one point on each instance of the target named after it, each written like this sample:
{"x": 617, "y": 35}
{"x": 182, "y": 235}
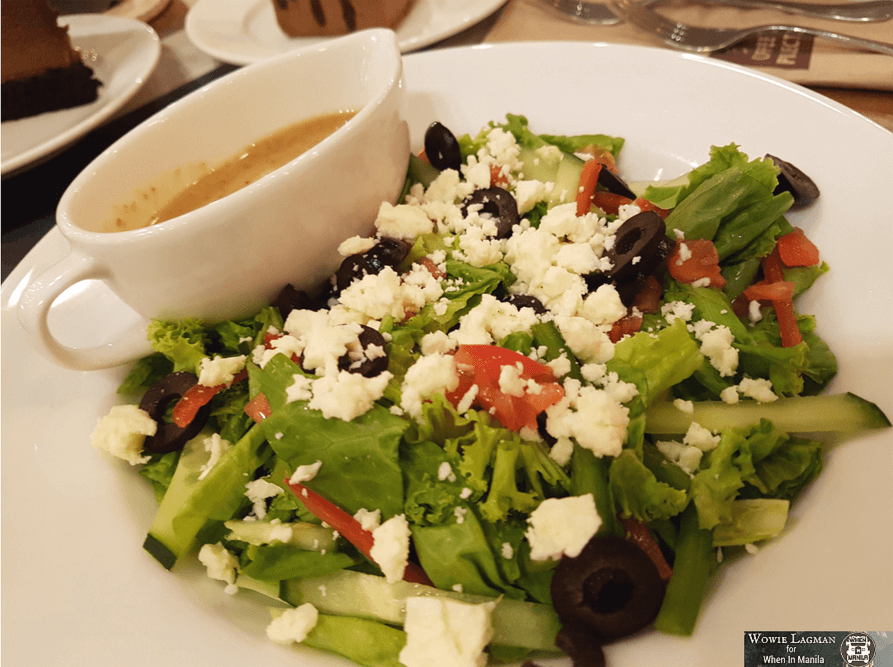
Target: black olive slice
{"x": 640, "y": 237}
{"x": 374, "y": 361}
{"x": 526, "y": 301}
{"x": 291, "y": 298}
{"x": 614, "y": 184}
{"x": 387, "y": 252}
{"x": 170, "y": 437}
{"x": 442, "y": 148}
{"x": 613, "y": 588}
{"x": 793, "y": 180}
{"x": 583, "y": 648}
{"x": 497, "y": 202}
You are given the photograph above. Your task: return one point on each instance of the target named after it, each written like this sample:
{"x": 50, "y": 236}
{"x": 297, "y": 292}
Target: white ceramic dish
{"x": 123, "y": 52}
{"x": 78, "y": 588}
{"x": 246, "y": 31}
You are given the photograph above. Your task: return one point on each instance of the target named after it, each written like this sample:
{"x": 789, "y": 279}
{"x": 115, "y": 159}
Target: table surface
{"x": 30, "y": 196}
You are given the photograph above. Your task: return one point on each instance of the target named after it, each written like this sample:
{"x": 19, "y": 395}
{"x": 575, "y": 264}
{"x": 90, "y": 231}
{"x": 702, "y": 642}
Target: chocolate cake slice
{"x": 41, "y": 71}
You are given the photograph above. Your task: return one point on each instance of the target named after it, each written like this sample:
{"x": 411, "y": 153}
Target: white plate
{"x": 246, "y": 31}
{"x": 79, "y": 589}
{"x": 123, "y": 53}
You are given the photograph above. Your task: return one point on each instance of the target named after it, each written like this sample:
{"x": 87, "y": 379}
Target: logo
{"x": 857, "y": 650}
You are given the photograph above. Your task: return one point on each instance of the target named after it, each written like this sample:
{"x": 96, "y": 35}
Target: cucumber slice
{"x": 553, "y": 166}
{"x": 191, "y": 501}
{"x": 349, "y": 593}
{"x": 567, "y": 180}
{"x": 306, "y": 536}
{"x": 831, "y": 413}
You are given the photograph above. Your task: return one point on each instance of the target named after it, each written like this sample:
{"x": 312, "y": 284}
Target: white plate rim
{"x": 81, "y": 28}
{"x": 217, "y": 27}
{"x": 191, "y": 589}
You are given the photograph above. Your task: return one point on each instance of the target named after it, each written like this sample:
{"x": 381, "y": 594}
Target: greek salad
{"x": 525, "y": 418}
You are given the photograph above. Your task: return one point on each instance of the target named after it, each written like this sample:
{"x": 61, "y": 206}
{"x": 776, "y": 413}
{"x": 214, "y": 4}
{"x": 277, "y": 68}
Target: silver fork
{"x": 706, "y": 40}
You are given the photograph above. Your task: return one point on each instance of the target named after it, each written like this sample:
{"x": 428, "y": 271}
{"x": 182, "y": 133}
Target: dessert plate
{"x": 123, "y": 52}
{"x": 245, "y": 32}
{"x": 74, "y": 520}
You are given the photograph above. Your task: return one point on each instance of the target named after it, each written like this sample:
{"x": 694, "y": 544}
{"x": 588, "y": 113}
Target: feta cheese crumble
{"x": 293, "y": 625}
{"x": 562, "y": 527}
{"x": 441, "y": 632}
{"x": 390, "y": 547}
{"x": 122, "y": 433}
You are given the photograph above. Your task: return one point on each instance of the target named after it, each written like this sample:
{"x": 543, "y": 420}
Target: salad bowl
{"x": 109, "y": 602}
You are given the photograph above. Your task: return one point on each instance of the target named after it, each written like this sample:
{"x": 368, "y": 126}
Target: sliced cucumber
{"x": 838, "y": 413}
{"x": 563, "y": 170}
{"x": 567, "y": 181}
{"x": 192, "y": 500}
{"x": 308, "y": 536}
{"x": 539, "y": 165}
{"x": 348, "y": 593}
{"x": 752, "y": 520}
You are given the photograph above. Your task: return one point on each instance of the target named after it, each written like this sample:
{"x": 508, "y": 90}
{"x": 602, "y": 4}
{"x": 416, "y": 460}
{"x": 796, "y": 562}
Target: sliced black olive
{"x": 374, "y": 361}
{"x": 442, "y": 148}
{"x": 614, "y": 184}
{"x": 291, "y": 298}
{"x": 656, "y": 264}
{"x": 793, "y": 180}
{"x": 499, "y": 203}
{"x": 613, "y": 588}
{"x": 170, "y": 437}
{"x": 547, "y": 437}
{"x": 640, "y": 237}
{"x": 526, "y": 301}
{"x": 387, "y": 252}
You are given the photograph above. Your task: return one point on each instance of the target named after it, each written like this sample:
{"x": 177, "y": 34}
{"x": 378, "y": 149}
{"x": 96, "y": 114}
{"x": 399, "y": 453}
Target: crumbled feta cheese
{"x": 217, "y": 447}
{"x": 758, "y": 389}
{"x": 603, "y": 306}
{"x": 700, "y": 437}
{"x": 220, "y": 564}
{"x": 729, "y": 395}
{"x": 258, "y": 491}
{"x": 369, "y": 520}
{"x": 436, "y": 342}
{"x": 492, "y": 320}
{"x": 688, "y": 407}
{"x": 123, "y": 431}
{"x": 220, "y": 370}
{"x": 299, "y": 389}
{"x": 591, "y": 417}
{"x": 754, "y": 312}
{"x": 429, "y": 375}
{"x": 677, "y": 310}
{"x": 347, "y": 395}
{"x": 390, "y": 547}
{"x": 305, "y": 473}
{"x": 402, "y": 221}
{"x": 687, "y": 457}
{"x": 588, "y": 343}
{"x": 716, "y": 345}
{"x": 441, "y": 632}
{"x": 562, "y": 526}
{"x": 445, "y": 472}
{"x": 293, "y": 625}
{"x": 357, "y": 245}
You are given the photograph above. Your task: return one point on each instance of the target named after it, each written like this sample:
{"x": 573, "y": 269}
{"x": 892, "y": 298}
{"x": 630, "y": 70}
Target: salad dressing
{"x": 186, "y": 189}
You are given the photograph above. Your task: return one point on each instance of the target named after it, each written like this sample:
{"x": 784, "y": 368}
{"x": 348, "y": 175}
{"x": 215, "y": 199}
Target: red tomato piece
{"x": 482, "y": 365}
{"x": 625, "y": 326}
{"x": 780, "y": 294}
{"x": 795, "y": 249}
{"x": 497, "y": 178}
{"x": 609, "y": 202}
{"x": 702, "y": 263}
{"x": 646, "y": 205}
{"x": 258, "y": 408}
{"x": 588, "y": 181}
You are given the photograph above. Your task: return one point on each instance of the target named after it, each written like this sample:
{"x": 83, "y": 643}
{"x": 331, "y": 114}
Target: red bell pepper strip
{"x": 638, "y": 533}
{"x": 588, "y": 181}
{"x": 646, "y": 205}
{"x": 349, "y": 528}
{"x": 780, "y": 293}
{"x": 609, "y": 202}
{"x": 196, "y": 397}
{"x": 703, "y": 263}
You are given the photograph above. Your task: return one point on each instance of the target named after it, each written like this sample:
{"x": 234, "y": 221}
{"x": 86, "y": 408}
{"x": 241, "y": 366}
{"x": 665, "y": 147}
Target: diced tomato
{"x": 646, "y": 205}
{"x": 638, "y": 533}
{"x": 795, "y": 249}
{"x": 481, "y": 365}
{"x": 773, "y": 271}
{"x": 196, "y": 397}
{"x": 703, "y": 263}
{"x": 588, "y": 181}
{"x": 423, "y": 156}
{"x": 647, "y": 299}
{"x": 609, "y": 202}
{"x": 497, "y": 177}
{"x": 258, "y": 408}
{"x": 780, "y": 294}
{"x": 349, "y": 528}
{"x": 625, "y": 326}
{"x": 601, "y": 155}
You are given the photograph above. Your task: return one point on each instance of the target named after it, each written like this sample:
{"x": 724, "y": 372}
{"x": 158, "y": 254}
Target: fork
{"x": 707, "y": 40}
